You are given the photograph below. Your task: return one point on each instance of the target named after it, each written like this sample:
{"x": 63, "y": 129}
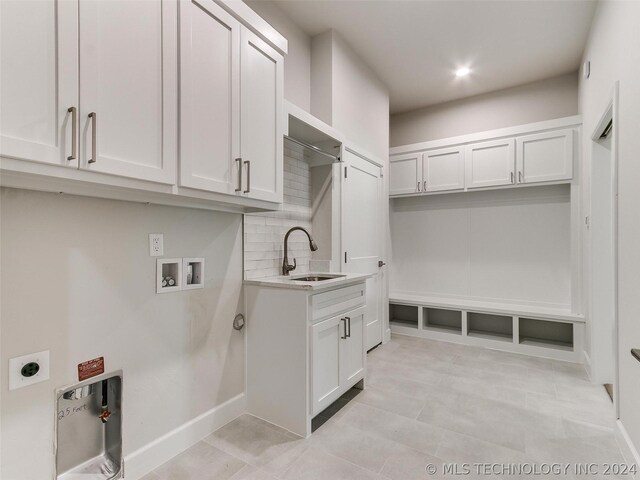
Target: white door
{"x": 209, "y": 97}
{"x": 326, "y": 373}
{"x": 261, "y": 131}
{"x": 490, "y": 164}
{"x": 353, "y": 347}
{"x": 39, "y": 80}
{"x": 443, "y": 169}
{"x": 545, "y": 157}
{"x": 362, "y": 217}
{"x": 405, "y": 174}
{"x": 128, "y": 88}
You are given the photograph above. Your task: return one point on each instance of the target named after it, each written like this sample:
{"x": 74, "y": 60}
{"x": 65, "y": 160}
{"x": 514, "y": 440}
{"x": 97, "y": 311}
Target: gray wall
{"x": 297, "y": 63}
{"x": 613, "y": 51}
{"x": 544, "y": 100}
{"x": 77, "y": 279}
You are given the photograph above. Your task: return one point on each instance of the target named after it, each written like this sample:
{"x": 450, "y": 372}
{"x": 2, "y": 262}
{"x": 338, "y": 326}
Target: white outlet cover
{"x": 156, "y": 244}
{"x": 16, "y": 380}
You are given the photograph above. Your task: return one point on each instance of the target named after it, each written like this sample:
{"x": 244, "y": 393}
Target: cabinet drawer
{"x": 334, "y": 302}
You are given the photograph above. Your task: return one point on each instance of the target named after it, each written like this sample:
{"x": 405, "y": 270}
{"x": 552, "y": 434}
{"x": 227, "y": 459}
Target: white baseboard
{"x": 154, "y": 454}
{"x": 629, "y": 451}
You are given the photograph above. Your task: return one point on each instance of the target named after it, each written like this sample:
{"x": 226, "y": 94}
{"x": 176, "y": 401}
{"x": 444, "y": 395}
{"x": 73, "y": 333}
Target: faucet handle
{"x": 293, "y": 267}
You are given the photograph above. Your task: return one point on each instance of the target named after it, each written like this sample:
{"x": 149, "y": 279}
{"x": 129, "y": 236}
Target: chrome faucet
{"x": 286, "y": 267}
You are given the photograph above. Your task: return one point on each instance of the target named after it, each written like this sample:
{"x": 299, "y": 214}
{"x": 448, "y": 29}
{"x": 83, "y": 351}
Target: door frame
{"x": 610, "y": 115}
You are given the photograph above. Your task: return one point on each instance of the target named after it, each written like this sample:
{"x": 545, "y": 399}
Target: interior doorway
{"x": 603, "y": 226}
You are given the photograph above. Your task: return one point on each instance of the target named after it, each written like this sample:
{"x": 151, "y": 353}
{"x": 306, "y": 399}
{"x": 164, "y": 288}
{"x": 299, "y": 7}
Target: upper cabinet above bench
{"x": 166, "y": 101}
{"x": 530, "y": 154}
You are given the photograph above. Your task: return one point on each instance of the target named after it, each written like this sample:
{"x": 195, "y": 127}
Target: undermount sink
{"x": 316, "y": 278}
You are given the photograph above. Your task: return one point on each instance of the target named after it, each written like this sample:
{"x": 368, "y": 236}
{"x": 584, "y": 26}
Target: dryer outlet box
{"x": 28, "y": 369}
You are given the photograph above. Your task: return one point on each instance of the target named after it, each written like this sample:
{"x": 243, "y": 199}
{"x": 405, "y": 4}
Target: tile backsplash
{"x": 264, "y": 232}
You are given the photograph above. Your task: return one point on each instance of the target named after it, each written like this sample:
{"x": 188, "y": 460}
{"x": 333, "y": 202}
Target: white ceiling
{"x": 415, "y": 46}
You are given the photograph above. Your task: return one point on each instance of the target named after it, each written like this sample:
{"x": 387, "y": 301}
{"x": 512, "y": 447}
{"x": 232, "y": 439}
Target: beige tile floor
{"x": 425, "y": 402}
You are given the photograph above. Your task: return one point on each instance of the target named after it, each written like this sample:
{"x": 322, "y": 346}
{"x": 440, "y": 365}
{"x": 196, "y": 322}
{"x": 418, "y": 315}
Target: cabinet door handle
{"x": 74, "y": 133}
{"x": 239, "y": 165}
{"x": 512, "y": 177}
{"x": 349, "y": 323}
{"x": 520, "y": 177}
{"x": 344, "y": 337}
{"x": 424, "y": 186}
{"x": 94, "y": 134}
{"x": 248, "y": 164}
{"x": 418, "y": 187}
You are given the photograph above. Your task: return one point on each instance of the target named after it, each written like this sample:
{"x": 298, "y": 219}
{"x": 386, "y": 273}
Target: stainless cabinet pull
{"x": 248, "y": 164}
{"x": 74, "y": 133}
{"x": 239, "y": 164}
{"x": 520, "y": 177}
{"x": 349, "y": 323}
{"x": 418, "y": 187}
{"x": 512, "y": 177}
{"x": 424, "y": 186}
{"x": 94, "y": 133}
{"x": 344, "y": 337}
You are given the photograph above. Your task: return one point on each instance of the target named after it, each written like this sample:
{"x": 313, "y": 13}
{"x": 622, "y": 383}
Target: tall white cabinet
{"x": 39, "y": 81}
{"x": 128, "y": 88}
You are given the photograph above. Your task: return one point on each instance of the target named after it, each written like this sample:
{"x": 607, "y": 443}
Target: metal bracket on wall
{"x": 238, "y": 322}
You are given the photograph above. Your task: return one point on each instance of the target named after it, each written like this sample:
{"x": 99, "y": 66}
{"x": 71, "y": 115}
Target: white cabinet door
{"x": 209, "y": 97}
{"x": 261, "y": 131}
{"x": 326, "y": 371}
{"x": 353, "y": 347}
{"x": 128, "y": 88}
{"x": 443, "y": 169}
{"x": 405, "y": 174}
{"x": 38, "y": 80}
{"x": 545, "y": 157}
{"x": 490, "y": 164}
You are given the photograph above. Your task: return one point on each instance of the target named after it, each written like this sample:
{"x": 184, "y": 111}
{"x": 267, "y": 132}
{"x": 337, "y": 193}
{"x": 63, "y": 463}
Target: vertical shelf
{"x": 441, "y": 320}
{"x": 490, "y": 326}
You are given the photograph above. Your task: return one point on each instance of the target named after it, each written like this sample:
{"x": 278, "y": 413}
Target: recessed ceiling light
{"x": 463, "y": 72}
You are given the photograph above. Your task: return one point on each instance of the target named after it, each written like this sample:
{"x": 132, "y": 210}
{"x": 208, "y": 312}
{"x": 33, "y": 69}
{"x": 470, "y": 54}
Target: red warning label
{"x": 90, "y": 368}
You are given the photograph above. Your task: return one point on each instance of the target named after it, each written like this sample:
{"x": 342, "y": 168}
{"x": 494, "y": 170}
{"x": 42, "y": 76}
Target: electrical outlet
{"x": 28, "y": 369}
{"x": 156, "y": 245}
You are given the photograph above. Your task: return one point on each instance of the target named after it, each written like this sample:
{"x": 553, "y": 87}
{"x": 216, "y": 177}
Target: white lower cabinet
{"x": 337, "y": 357}
{"x": 305, "y": 348}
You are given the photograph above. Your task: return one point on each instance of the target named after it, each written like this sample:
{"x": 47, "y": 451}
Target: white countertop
{"x": 287, "y": 282}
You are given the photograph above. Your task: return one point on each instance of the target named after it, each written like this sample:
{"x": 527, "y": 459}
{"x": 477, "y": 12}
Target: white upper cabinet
{"x": 39, "y": 80}
{"x": 490, "y": 164}
{"x": 405, "y": 174}
{"x": 209, "y": 98}
{"x": 545, "y": 157}
{"x": 128, "y": 88}
{"x": 443, "y": 169}
{"x": 261, "y": 130}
